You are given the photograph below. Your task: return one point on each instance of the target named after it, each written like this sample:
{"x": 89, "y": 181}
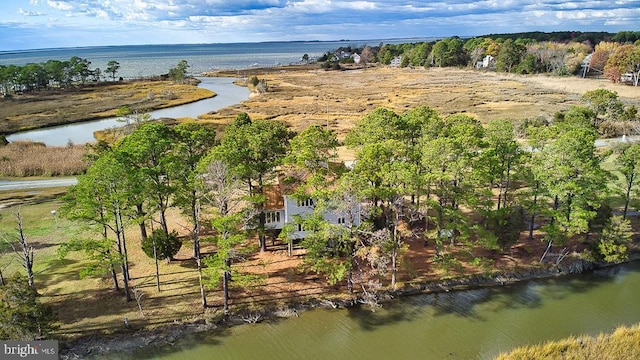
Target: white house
{"x": 281, "y": 209}
{"x": 487, "y": 61}
{"x": 396, "y": 61}
{"x": 356, "y": 58}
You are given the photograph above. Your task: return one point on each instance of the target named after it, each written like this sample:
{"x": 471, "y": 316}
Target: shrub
{"x": 506, "y": 224}
{"x": 167, "y": 246}
{"x": 22, "y": 315}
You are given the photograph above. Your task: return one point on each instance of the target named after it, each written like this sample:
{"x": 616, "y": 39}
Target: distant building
{"x": 342, "y": 54}
{"x": 627, "y": 78}
{"x": 356, "y": 58}
{"x": 396, "y": 61}
{"x": 487, "y": 62}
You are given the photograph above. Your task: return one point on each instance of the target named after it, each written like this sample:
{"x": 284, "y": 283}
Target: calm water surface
{"x": 150, "y": 60}
{"x": 476, "y": 324}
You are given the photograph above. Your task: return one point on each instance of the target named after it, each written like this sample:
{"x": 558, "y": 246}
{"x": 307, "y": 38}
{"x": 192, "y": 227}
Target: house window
{"x": 306, "y": 202}
{"x": 342, "y": 220}
{"x": 300, "y": 227}
{"x": 272, "y": 217}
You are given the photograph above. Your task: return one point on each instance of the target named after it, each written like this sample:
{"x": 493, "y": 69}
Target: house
{"x": 356, "y": 58}
{"x": 487, "y": 61}
{"x": 396, "y": 61}
{"x": 282, "y": 208}
{"x": 627, "y": 78}
{"x": 342, "y": 54}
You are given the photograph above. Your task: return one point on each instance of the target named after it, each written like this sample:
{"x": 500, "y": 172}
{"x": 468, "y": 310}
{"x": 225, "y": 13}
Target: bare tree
{"x": 223, "y": 187}
{"x": 22, "y": 248}
{"x": 137, "y": 294}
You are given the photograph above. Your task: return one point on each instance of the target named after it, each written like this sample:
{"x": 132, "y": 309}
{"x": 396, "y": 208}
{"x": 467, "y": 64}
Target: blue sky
{"x": 32, "y": 24}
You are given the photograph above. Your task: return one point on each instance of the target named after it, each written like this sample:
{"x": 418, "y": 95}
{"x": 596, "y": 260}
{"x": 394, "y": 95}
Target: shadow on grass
{"x": 103, "y": 311}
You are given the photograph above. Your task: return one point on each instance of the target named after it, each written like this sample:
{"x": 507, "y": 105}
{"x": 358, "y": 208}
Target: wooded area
{"x": 616, "y": 56}
{"x": 446, "y": 181}
{"x": 64, "y": 75}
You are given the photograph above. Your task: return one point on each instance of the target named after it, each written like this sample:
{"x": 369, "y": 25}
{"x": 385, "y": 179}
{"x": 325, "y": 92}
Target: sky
{"x": 35, "y": 24}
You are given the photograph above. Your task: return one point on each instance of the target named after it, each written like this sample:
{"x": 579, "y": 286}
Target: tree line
{"x": 560, "y": 53}
{"x": 57, "y": 74}
{"x": 50, "y": 74}
{"x": 459, "y": 186}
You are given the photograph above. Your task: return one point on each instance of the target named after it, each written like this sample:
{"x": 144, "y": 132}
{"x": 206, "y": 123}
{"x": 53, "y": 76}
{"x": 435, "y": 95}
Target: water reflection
{"x": 368, "y": 320}
{"x": 472, "y": 324}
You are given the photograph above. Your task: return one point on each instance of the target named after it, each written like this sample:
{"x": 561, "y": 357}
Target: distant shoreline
{"x": 344, "y": 41}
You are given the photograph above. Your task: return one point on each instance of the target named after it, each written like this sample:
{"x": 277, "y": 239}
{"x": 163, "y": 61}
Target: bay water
{"x": 151, "y": 60}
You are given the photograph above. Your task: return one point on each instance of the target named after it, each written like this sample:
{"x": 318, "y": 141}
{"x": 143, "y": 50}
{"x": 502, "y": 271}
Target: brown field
{"x": 41, "y": 109}
{"x": 307, "y": 95}
{"x": 25, "y": 158}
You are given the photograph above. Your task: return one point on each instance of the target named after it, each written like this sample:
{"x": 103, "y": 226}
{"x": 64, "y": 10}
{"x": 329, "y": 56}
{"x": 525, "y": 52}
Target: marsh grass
{"x": 623, "y": 343}
{"x": 42, "y": 109}
{"x": 340, "y": 98}
{"x": 26, "y": 158}
{"x": 306, "y": 95}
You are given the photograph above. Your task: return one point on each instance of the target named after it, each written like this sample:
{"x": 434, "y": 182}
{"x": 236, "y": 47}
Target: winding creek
{"x": 473, "y": 324}
{"x": 78, "y": 133}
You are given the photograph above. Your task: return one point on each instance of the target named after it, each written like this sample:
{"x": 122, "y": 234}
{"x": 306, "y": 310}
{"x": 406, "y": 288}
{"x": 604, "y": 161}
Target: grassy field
{"x": 29, "y": 111}
{"x": 621, "y": 344}
{"x": 302, "y": 96}
{"x": 89, "y": 305}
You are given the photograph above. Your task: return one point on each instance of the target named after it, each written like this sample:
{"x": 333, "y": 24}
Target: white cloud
{"x": 262, "y": 20}
{"x": 310, "y": 6}
{"x": 29, "y": 13}
{"x": 357, "y": 5}
{"x": 102, "y": 14}
{"x": 60, "y": 5}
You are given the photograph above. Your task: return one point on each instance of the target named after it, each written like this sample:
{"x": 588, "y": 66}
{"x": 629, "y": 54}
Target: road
{"x": 36, "y": 184}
